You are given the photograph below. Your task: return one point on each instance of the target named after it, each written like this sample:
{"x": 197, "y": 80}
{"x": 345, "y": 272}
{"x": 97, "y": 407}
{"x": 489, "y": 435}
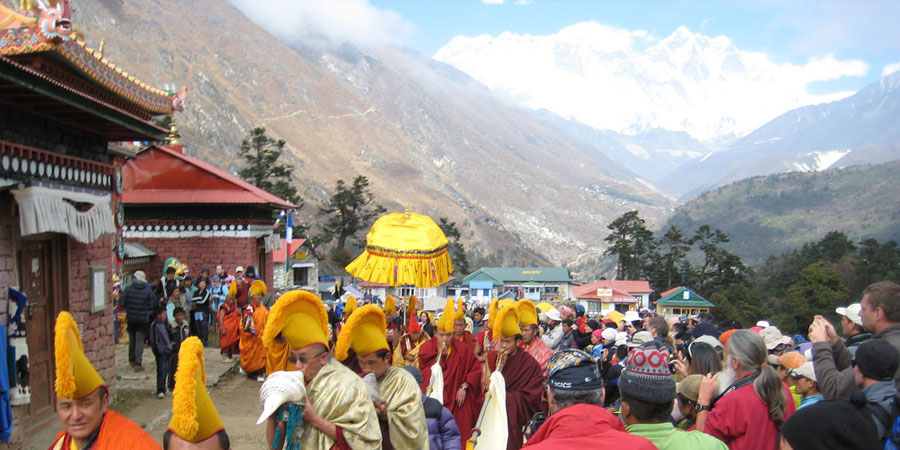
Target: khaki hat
{"x": 851, "y": 312}
{"x": 773, "y": 337}
{"x": 639, "y": 338}
{"x": 690, "y": 387}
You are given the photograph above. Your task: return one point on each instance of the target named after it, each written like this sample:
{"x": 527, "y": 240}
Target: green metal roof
{"x": 521, "y": 274}
{"x": 676, "y": 298}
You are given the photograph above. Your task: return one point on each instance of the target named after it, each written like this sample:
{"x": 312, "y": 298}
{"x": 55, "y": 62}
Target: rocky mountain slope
{"x": 860, "y": 129}
{"x": 426, "y": 135}
{"x": 771, "y": 215}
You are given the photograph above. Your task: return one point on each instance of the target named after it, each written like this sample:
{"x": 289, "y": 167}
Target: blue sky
{"x": 786, "y": 31}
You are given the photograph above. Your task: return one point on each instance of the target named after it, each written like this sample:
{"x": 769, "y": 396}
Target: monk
{"x": 82, "y": 400}
{"x": 523, "y": 376}
{"x": 230, "y": 324}
{"x": 459, "y": 327}
{"x": 461, "y": 370}
{"x": 401, "y": 414}
{"x": 253, "y": 325}
{"x": 531, "y": 342}
{"x": 406, "y": 350}
{"x": 338, "y": 412}
{"x": 484, "y": 342}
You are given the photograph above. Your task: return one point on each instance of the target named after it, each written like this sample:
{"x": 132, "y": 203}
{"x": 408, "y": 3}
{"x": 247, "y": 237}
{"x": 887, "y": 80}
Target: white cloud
{"x": 613, "y": 78}
{"x": 890, "y": 68}
{"x": 356, "y": 21}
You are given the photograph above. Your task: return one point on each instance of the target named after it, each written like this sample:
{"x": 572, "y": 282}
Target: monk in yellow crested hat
{"x": 485, "y": 341}
{"x": 194, "y": 416}
{"x": 338, "y": 403}
{"x": 406, "y": 352}
{"x": 390, "y": 305}
{"x": 229, "y": 323}
{"x": 349, "y": 306}
{"x": 82, "y": 399}
{"x": 521, "y": 373}
{"x": 399, "y": 401}
{"x": 253, "y": 325}
{"x": 460, "y": 334}
{"x": 531, "y": 339}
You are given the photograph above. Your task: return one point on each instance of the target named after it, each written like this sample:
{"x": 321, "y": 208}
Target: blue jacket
{"x": 443, "y": 434}
{"x": 138, "y": 300}
{"x": 159, "y": 337}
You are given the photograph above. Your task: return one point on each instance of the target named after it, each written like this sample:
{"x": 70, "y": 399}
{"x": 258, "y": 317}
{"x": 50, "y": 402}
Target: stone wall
{"x": 97, "y": 329}
{"x": 199, "y": 252}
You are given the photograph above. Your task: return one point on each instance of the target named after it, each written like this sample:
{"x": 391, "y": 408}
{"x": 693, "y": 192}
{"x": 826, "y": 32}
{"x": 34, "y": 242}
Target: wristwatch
{"x": 464, "y": 387}
{"x": 700, "y": 407}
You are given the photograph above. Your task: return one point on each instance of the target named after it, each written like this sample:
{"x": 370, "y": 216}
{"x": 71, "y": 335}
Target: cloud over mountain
{"x": 629, "y": 81}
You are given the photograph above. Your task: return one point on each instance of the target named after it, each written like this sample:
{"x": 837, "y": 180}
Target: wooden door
{"x": 38, "y": 279}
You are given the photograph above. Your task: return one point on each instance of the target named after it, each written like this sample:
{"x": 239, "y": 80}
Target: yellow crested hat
{"x": 460, "y": 310}
{"x": 194, "y": 416}
{"x": 445, "y": 322}
{"x": 75, "y": 376}
{"x": 258, "y": 287}
{"x": 492, "y": 312}
{"x": 300, "y": 317}
{"x": 527, "y": 312}
{"x": 364, "y": 332}
{"x": 507, "y": 323}
{"x": 505, "y": 302}
{"x": 232, "y": 289}
{"x": 349, "y": 305}
{"x": 390, "y": 305}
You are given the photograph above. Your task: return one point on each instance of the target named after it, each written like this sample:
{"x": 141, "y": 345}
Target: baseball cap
{"x": 140, "y": 275}
{"x": 804, "y": 371}
{"x": 573, "y": 370}
{"x": 851, "y": 312}
{"x": 690, "y": 387}
{"x": 791, "y": 360}
{"x": 608, "y": 334}
{"x": 239, "y": 269}
{"x": 553, "y": 314}
{"x": 713, "y": 342}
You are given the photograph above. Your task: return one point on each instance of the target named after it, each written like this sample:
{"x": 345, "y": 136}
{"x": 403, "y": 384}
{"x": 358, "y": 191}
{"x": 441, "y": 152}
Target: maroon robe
{"x": 460, "y": 367}
{"x": 524, "y": 385}
{"x": 468, "y": 339}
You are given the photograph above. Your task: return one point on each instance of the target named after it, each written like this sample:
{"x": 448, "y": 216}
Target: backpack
{"x": 889, "y": 421}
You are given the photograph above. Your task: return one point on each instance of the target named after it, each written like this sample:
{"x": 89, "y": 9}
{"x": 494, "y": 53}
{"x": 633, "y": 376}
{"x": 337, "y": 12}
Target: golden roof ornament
{"x": 173, "y": 137}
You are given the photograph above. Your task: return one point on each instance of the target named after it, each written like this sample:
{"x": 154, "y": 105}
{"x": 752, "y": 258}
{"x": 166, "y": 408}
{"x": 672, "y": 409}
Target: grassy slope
{"x": 777, "y": 213}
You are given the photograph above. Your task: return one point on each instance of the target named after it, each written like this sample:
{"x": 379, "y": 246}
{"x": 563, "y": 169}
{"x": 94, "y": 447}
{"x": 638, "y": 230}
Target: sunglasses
{"x": 303, "y": 359}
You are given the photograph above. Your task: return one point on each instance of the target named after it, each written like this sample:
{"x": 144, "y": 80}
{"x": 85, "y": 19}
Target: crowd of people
{"x": 390, "y": 375}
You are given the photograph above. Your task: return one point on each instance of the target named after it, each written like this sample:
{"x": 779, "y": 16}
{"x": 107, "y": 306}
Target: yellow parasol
{"x": 404, "y": 249}
{"x": 614, "y": 315}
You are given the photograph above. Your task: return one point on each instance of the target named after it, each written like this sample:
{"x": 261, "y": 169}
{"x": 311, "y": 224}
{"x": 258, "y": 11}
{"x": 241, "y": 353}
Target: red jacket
{"x": 741, "y": 420}
{"x": 585, "y": 426}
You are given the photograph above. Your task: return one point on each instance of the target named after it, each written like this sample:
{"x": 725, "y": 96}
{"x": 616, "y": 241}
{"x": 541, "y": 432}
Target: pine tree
{"x": 457, "y": 251}
{"x": 349, "y": 210}
{"x": 263, "y": 170}
{"x": 631, "y": 241}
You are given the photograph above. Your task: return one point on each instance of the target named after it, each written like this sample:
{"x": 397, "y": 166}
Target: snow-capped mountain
{"x": 629, "y": 82}
{"x": 860, "y": 129}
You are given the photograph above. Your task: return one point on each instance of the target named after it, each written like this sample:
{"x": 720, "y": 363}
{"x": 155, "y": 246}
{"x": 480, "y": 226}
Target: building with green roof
{"x": 534, "y": 283}
{"x": 682, "y": 301}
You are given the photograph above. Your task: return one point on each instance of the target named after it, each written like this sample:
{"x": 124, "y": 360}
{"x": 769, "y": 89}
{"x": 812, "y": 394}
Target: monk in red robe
{"x": 461, "y": 370}
{"x": 230, "y": 324}
{"x": 523, "y": 375}
{"x": 485, "y": 342}
{"x": 462, "y": 336}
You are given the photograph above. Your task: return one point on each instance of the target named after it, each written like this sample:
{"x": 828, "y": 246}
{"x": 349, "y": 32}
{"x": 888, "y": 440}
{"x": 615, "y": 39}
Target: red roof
{"x": 669, "y": 291}
{"x": 632, "y": 287}
{"x": 278, "y": 255}
{"x": 163, "y": 175}
{"x": 589, "y": 291}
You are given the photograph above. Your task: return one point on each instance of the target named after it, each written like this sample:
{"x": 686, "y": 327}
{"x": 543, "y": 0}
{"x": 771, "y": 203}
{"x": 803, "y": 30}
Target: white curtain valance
{"x": 43, "y": 209}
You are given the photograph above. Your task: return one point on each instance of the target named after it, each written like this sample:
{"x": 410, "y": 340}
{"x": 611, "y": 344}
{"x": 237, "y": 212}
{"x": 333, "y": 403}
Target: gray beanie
{"x": 646, "y": 376}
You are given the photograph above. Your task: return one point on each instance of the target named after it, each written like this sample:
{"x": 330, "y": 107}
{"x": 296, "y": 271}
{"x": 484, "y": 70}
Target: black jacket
{"x": 138, "y": 299}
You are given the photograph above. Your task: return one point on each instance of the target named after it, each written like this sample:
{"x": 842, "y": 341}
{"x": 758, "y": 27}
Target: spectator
{"x": 876, "y": 363}
{"x": 173, "y": 302}
{"x": 831, "y": 424}
{"x": 162, "y": 350}
{"x": 554, "y": 333}
{"x": 880, "y": 313}
{"x": 138, "y": 300}
{"x": 776, "y": 343}
{"x": 188, "y": 290}
{"x": 425, "y": 321}
{"x": 577, "y": 418}
{"x": 200, "y": 313}
{"x": 217, "y": 293}
{"x": 753, "y": 405}
{"x": 805, "y": 379}
{"x": 788, "y": 361}
{"x": 477, "y": 320}
{"x": 648, "y": 392}
{"x": 568, "y": 337}
{"x": 177, "y": 334}
{"x": 167, "y": 284}
{"x": 703, "y": 326}
{"x": 686, "y": 393}
{"x": 443, "y": 434}
{"x": 852, "y": 326}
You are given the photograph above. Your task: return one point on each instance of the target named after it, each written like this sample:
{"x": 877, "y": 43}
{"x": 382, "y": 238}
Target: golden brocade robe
{"x": 404, "y": 343}
{"x": 405, "y": 412}
{"x": 340, "y": 396}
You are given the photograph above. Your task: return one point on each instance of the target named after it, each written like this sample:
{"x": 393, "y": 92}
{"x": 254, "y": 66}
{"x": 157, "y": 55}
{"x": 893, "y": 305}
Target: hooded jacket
{"x": 584, "y": 426}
